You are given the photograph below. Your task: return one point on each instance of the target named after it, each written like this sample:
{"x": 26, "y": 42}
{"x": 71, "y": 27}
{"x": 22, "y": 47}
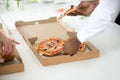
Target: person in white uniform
{"x": 99, "y": 20}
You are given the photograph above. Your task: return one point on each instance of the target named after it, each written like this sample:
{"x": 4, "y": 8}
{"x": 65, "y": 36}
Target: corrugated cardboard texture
{"x": 13, "y": 66}
{"x": 35, "y": 31}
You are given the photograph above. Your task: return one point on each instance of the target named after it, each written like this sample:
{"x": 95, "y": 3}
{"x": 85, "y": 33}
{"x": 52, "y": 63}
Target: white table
{"x": 106, "y": 67}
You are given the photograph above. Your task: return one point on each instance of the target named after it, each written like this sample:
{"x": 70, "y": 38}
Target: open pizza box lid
{"x": 35, "y": 31}
{"x": 13, "y": 66}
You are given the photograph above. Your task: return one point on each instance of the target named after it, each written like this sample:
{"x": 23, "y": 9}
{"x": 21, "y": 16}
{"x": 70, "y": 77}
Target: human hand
{"x": 84, "y": 8}
{"x": 5, "y": 57}
{"x": 72, "y": 45}
{"x": 7, "y": 44}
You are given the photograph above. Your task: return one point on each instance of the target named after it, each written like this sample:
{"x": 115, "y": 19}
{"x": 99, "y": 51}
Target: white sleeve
{"x": 104, "y": 14}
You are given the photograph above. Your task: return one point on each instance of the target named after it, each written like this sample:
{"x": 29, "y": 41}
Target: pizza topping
{"x": 82, "y": 47}
{"x": 51, "y": 46}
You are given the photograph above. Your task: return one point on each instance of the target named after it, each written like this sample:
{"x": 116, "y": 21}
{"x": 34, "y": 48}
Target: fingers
{"x": 71, "y": 46}
{"x": 11, "y": 49}
{"x": 8, "y": 49}
{"x": 16, "y": 42}
{"x": 66, "y": 52}
{"x": 68, "y": 49}
{"x": 7, "y": 44}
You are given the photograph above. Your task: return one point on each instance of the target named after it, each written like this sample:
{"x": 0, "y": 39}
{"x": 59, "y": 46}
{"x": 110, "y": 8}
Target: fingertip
{"x": 16, "y": 42}
{"x": 9, "y": 52}
{"x": 4, "y": 52}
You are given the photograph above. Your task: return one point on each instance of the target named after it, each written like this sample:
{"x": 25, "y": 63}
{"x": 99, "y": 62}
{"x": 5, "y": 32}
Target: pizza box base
{"x": 12, "y": 66}
{"x": 36, "y": 31}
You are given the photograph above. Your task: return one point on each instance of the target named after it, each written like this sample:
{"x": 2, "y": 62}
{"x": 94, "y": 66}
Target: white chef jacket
{"x": 104, "y": 14}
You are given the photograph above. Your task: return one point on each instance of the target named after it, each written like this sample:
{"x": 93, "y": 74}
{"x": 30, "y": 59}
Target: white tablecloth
{"x": 106, "y": 67}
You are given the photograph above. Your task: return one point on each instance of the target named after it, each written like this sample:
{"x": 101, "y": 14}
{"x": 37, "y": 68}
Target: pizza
{"x": 53, "y": 46}
{"x": 70, "y": 10}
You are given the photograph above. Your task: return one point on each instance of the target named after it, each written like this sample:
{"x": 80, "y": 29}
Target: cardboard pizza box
{"x": 13, "y": 66}
{"x": 35, "y": 31}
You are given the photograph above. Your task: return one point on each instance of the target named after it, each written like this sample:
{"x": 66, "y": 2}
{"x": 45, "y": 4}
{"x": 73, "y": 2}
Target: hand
{"x": 7, "y": 44}
{"x": 85, "y": 8}
{"x": 72, "y": 45}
